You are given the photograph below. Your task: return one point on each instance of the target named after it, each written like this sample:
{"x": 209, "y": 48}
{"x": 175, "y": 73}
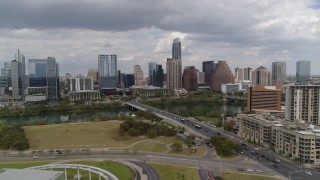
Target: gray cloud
{"x": 244, "y": 32}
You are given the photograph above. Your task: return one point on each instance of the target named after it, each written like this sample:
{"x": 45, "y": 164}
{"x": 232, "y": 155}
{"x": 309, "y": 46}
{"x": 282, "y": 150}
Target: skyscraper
{"x": 138, "y": 76}
{"x": 16, "y": 80}
{"x": 190, "y": 79}
{"x": 208, "y": 67}
{"x": 5, "y": 79}
{"x": 176, "y": 49}
{"x": 18, "y": 76}
{"x": 278, "y": 73}
{"x": 221, "y": 75}
{"x": 261, "y": 76}
{"x": 108, "y": 72}
{"x": 247, "y": 74}
{"x": 37, "y": 72}
{"x": 93, "y": 73}
{"x": 239, "y": 74}
{"x": 303, "y": 71}
{"x": 155, "y": 74}
{"x": 52, "y": 80}
{"x": 174, "y": 73}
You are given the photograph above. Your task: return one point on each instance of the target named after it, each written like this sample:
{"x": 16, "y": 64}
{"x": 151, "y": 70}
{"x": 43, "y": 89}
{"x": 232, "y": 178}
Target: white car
{"x": 35, "y": 157}
{"x": 308, "y": 173}
{"x": 250, "y": 170}
{"x": 278, "y": 161}
{"x": 258, "y": 170}
{"x": 52, "y": 157}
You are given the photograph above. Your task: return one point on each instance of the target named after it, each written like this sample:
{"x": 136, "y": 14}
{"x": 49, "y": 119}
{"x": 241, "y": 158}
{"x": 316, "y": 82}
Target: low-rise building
{"x": 230, "y": 88}
{"x": 150, "y": 91}
{"x": 293, "y": 139}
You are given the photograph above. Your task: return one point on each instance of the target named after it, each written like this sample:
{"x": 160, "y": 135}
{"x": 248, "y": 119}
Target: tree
{"x": 152, "y": 133}
{"x": 177, "y": 146}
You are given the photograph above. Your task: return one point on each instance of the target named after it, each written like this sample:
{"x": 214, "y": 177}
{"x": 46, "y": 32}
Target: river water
{"x": 185, "y": 109}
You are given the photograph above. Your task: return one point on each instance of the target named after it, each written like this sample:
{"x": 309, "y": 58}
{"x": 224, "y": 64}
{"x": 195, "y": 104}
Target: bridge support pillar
{"x": 78, "y": 174}
{"x": 89, "y": 175}
{"x": 65, "y": 174}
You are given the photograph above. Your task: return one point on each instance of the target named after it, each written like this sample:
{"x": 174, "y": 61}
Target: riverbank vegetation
{"x": 63, "y": 106}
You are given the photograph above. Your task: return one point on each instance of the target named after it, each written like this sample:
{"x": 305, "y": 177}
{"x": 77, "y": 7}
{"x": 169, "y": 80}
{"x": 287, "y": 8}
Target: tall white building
{"x": 261, "y": 76}
{"x": 278, "y": 73}
{"x": 303, "y": 103}
{"x": 138, "y": 76}
{"x": 174, "y": 73}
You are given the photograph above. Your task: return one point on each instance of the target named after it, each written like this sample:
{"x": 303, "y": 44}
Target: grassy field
{"x": 245, "y": 176}
{"x": 169, "y": 172}
{"x": 119, "y": 170}
{"x": 91, "y": 134}
{"x": 200, "y": 151}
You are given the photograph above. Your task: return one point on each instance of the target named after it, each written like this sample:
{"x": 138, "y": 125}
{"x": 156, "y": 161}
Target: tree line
{"x": 225, "y": 146}
{"x": 137, "y": 128}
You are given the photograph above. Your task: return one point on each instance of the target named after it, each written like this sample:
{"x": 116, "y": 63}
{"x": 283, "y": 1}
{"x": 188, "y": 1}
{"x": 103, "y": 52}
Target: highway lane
{"x": 152, "y": 174}
{"x": 283, "y": 168}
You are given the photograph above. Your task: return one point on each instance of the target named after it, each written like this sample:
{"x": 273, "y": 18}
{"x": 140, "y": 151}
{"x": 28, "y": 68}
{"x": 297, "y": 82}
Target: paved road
{"x": 284, "y": 168}
{"x": 151, "y": 173}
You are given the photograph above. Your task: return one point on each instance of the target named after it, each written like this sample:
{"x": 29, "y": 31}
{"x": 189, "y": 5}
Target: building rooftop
{"x": 26, "y": 174}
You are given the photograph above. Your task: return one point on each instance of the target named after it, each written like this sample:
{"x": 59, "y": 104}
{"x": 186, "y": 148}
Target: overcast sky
{"x": 245, "y": 33}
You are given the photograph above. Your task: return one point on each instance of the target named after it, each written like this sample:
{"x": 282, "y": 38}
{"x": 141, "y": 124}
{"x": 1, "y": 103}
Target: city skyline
{"x": 244, "y": 38}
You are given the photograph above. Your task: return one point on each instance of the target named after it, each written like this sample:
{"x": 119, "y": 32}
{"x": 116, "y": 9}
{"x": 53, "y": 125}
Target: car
{"x": 308, "y": 173}
{"x": 52, "y": 157}
{"x": 144, "y": 171}
{"x": 243, "y": 144}
{"x": 240, "y": 169}
{"x": 250, "y": 170}
{"x": 241, "y": 152}
{"x": 258, "y": 170}
{"x": 276, "y": 166}
{"x": 268, "y": 158}
{"x": 278, "y": 161}
{"x": 35, "y": 157}
{"x": 262, "y": 156}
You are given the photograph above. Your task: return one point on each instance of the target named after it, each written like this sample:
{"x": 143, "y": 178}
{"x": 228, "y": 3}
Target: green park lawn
{"x": 245, "y": 176}
{"x": 170, "y": 172}
{"x": 21, "y": 165}
{"x": 78, "y": 135}
{"x": 200, "y": 151}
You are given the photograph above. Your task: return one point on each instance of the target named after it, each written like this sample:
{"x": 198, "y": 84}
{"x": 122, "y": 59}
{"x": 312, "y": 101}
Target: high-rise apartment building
{"x": 108, "y": 72}
{"x": 208, "y": 67}
{"x": 173, "y": 74}
{"x": 155, "y": 74}
{"x": 176, "y": 49}
{"x": 53, "y": 92}
{"x": 127, "y": 80}
{"x": 138, "y": 76}
{"x": 303, "y": 103}
{"x": 190, "y": 79}
{"x": 261, "y": 76}
{"x": 221, "y": 75}
{"x": 302, "y": 71}
{"x": 278, "y": 73}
